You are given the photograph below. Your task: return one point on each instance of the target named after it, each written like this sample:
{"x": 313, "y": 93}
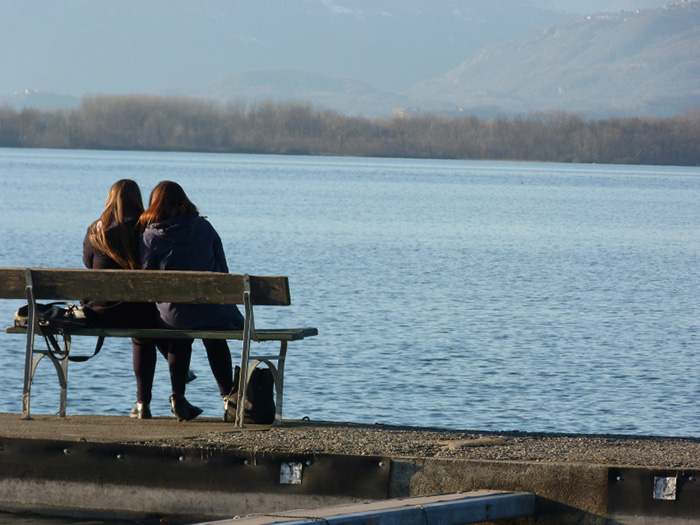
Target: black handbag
{"x": 60, "y": 318}
{"x": 57, "y": 316}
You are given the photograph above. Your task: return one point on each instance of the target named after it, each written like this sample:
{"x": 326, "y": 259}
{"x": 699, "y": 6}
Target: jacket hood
{"x": 179, "y": 229}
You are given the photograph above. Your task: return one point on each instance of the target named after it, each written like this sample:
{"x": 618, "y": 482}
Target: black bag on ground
{"x": 59, "y": 316}
{"x": 260, "y": 396}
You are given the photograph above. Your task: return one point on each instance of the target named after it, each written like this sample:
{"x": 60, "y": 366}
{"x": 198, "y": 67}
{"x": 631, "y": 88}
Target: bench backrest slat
{"x": 143, "y": 286}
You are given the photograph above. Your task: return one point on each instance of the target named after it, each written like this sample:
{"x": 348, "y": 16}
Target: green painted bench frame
{"x": 59, "y": 284}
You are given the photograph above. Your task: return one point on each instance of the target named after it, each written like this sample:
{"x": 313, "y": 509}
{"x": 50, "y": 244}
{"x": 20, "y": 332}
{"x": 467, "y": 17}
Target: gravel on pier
{"x": 381, "y": 440}
{"x": 320, "y": 437}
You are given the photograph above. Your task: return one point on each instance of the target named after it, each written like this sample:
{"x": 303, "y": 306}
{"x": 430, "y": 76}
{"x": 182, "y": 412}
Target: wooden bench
{"x": 53, "y": 284}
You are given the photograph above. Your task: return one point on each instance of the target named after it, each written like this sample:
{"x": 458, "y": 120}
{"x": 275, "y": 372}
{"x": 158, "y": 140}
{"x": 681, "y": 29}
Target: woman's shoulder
{"x": 89, "y": 233}
{"x": 93, "y": 226}
{"x": 203, "y": 222}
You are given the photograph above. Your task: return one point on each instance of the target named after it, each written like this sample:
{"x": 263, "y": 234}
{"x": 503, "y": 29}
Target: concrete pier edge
{"x": 107, "y": 473}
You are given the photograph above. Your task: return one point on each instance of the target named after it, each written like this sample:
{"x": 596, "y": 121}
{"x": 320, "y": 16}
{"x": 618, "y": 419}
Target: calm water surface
{"x": 464, "y": 295}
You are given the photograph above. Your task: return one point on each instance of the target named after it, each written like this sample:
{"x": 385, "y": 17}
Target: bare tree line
{"x": 140, "y": 122}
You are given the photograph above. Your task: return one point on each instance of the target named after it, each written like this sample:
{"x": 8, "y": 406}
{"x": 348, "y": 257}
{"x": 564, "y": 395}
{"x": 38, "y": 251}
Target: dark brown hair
{"x": 168, "y": 199}
{"x": 110, "y": 233}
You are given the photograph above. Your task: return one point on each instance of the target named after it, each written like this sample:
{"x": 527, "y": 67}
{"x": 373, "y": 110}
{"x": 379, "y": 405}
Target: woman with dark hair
{"x": 112, "y": 243}
{"x": 176, "y": 237}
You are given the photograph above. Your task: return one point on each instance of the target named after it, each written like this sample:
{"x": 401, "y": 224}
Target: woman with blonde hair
{"x": 112, "y": 243}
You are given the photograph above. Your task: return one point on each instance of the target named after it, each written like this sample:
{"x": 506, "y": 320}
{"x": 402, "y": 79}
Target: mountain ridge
{"x": 645, "y": 62}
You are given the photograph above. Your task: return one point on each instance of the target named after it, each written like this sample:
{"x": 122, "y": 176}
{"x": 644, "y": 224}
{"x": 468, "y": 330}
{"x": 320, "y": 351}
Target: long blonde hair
{"x": 110, "y": 233}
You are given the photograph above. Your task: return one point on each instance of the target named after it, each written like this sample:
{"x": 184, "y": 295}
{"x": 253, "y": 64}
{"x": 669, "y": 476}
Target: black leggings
{"x": 219, "y": 356}
{"x": 144, "y": 358}
{"x": 178, "y": 352}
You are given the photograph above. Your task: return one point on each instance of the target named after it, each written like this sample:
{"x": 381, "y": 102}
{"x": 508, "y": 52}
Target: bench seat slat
{"x": 285, "y": 334}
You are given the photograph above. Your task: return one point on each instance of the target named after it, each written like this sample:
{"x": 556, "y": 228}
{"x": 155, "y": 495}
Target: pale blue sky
{"x": 78, "y": 47}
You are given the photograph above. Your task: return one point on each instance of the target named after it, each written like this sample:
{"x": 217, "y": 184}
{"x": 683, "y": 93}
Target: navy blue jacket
{"x": 188, "y": 242}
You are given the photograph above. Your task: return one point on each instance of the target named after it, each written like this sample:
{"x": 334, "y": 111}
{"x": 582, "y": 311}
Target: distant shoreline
{"x": 151, "y": 123}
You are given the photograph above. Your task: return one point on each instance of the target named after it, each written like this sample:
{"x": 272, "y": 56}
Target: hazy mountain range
{"x": 359, "y": 56}
{"x": 628, "y": 63}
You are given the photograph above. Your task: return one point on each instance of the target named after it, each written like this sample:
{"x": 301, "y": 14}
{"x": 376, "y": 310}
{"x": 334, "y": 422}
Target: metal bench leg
{"x": 279, "y": 382}
{"x": 62, "y": 371}
{"x": 242, "y": 384}
{"x": 29, "y": 367}
{"x": 28, "y": 385}
{"x": 32, "y": 326}
{"x": 61, "y": 366}
{"x": 248, "y": 331}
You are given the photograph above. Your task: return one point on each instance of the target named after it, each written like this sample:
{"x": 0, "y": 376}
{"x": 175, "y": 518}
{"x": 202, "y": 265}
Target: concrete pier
{"x": 205, "y": 470}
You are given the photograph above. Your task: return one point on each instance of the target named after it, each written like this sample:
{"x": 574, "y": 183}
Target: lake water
{"x": 454, "y": 294}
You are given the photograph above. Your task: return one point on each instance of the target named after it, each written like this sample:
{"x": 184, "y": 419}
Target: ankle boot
{"x": 183, "y": 410}
{"x": 141, "y": 411}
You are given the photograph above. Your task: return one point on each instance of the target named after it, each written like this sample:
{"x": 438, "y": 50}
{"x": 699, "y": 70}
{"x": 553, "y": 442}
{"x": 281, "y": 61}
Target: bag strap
{"x": 98, "y": 347}
{"x": 60, "y": 354}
